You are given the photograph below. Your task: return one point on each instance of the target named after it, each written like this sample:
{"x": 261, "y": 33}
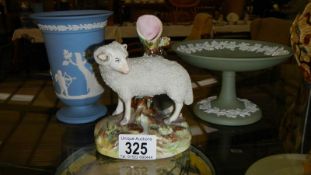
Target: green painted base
{"x": 229, "y": 117}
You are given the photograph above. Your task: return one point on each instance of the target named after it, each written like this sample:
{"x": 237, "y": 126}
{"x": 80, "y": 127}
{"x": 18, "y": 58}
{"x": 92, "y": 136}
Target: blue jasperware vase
{"x": 67, "y": 36}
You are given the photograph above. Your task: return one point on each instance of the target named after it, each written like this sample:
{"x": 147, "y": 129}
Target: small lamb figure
{"x": 142, "y": 76}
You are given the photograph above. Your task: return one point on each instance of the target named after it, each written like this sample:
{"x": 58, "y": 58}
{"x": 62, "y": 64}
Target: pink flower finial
{"x": 149, "y": 27}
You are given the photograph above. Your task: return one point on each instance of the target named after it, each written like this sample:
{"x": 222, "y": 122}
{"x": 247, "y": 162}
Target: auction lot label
{"x": 137, "y": 147}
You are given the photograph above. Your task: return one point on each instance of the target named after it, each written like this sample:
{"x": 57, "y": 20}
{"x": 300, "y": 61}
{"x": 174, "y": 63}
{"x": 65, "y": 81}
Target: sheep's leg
{"x": 120, "y": 107}
{"x": 127, "y": 113}
{"x": 174, "y": 116}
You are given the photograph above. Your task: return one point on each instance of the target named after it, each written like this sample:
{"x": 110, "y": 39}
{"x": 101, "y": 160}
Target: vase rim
{"x": 70, "y": 14}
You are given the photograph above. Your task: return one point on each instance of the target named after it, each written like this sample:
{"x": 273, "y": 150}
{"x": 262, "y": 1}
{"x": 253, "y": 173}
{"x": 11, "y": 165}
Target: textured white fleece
{"x": 148, "y": 76}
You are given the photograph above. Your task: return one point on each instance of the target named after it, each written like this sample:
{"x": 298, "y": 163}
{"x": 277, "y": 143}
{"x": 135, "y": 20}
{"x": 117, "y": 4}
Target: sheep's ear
{"x": 102, "y": 58}
{"x": 124, "y": 46}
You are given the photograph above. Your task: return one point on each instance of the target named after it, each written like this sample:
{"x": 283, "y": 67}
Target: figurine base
{"x": 171, "y": 139}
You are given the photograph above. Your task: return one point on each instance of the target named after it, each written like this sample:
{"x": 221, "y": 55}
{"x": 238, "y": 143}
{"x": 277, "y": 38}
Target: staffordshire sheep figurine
{"x": 142, "y": 76}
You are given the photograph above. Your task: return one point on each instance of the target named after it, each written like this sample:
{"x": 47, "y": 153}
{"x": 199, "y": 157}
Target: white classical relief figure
{"x": 92, "y": 86}
{"x": 61, "y": 81}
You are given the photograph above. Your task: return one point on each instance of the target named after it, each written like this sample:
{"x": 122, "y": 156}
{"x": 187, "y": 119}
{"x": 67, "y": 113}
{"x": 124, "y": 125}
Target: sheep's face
{"x": 114, "y": 56}
{"x": 118, "y": 61}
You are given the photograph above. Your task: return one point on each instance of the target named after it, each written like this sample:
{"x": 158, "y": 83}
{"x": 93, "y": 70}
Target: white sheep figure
{"x": 142, "y": 76}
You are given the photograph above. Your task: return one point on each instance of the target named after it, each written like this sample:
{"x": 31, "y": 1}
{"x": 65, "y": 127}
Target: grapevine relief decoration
{"x": 233, "y": 45}
{"x": 64, "y": 80}
{"x": 74, "y": 27}
{"x": 206, "y": 106}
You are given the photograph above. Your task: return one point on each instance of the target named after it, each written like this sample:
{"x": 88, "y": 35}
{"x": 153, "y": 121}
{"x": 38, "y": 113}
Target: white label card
{"x": 137, "y": 147}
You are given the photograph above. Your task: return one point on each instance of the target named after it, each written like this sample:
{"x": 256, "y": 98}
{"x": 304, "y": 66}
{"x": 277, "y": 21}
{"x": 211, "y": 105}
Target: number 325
{"x": 136, "y": 148}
